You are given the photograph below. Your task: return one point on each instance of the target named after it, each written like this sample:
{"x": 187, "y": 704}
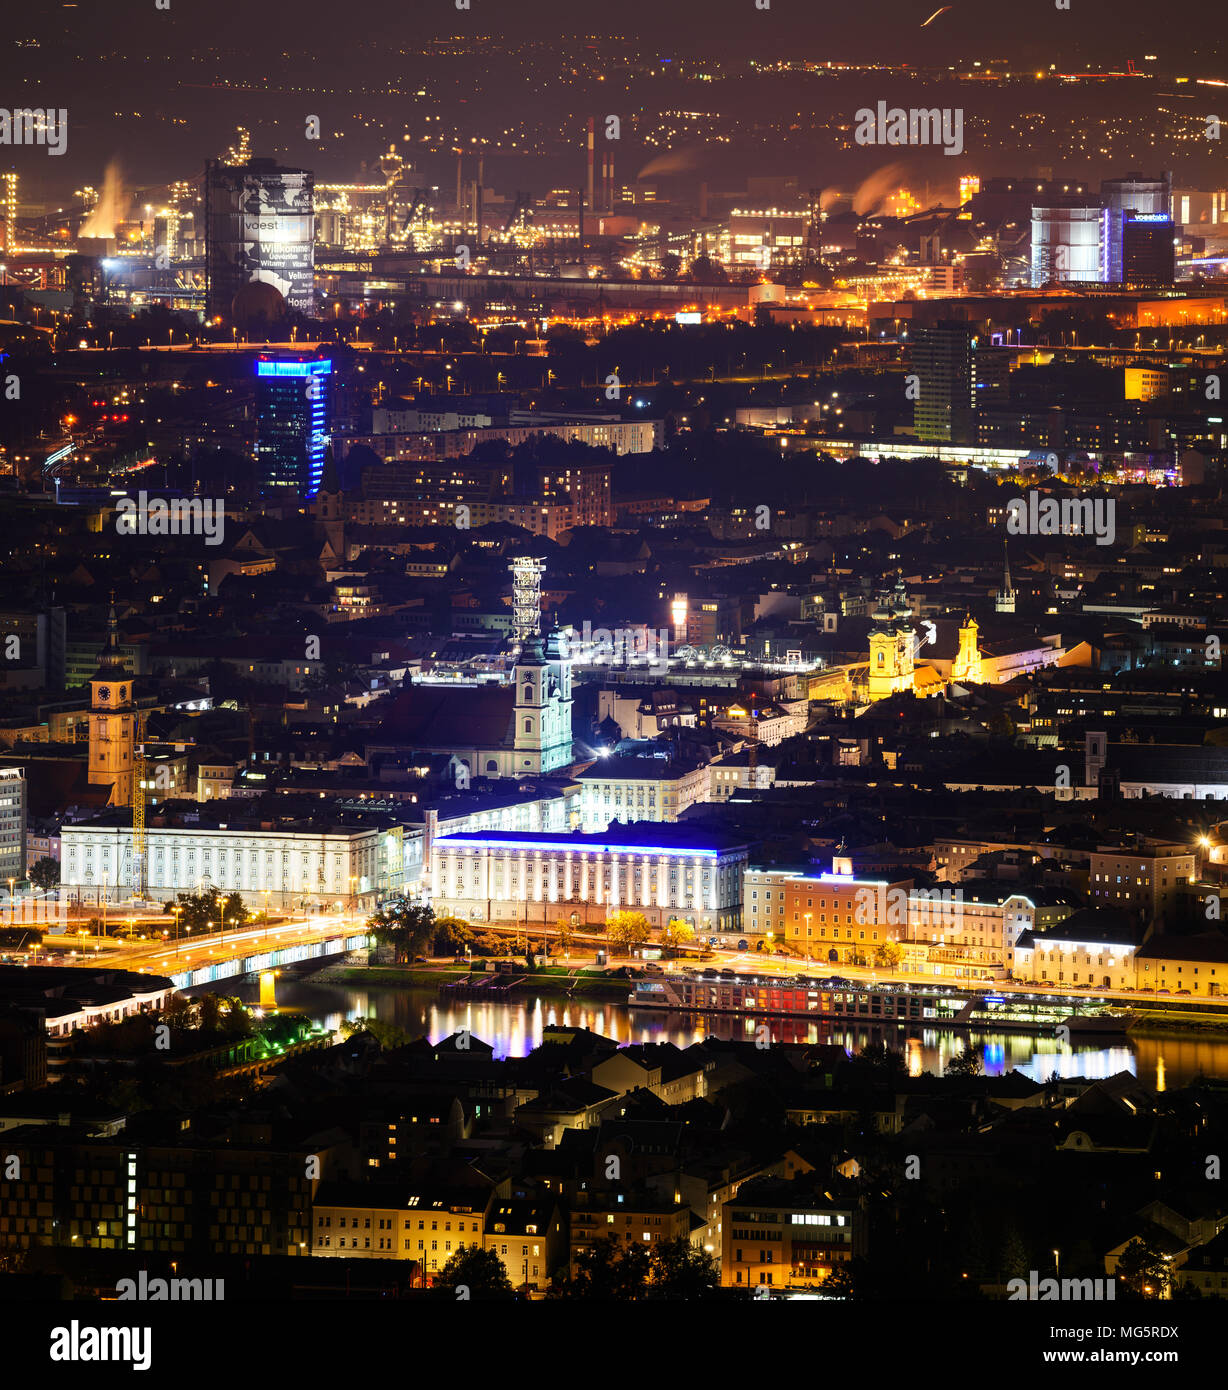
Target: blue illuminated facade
{"x": 293, "y": 415}
{"x": 1148, "y": 251}
{"x": 662, "y": 871}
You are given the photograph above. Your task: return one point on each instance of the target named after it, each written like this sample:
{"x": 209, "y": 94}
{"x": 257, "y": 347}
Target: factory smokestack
{"x": 592, "y": 138}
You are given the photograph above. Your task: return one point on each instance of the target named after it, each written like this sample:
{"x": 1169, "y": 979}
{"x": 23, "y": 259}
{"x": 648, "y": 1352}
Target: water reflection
{"x": 514, "y": 1028}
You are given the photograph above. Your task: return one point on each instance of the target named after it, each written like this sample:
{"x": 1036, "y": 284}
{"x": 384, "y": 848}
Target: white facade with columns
{"x": 286, "y": 862}
{"x": 542, "y": 877}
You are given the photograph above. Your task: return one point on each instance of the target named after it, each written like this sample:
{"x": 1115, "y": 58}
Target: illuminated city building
{"x": 967, "y": 665}
{"x": 259, "y": 228}
{"x": 1143, "y": 197}
{"x": 1070, "y": 243}
{"x": 297, "y": 860}
{"x": 521, "y": 729}
{"x": 293, "y": 408}
{"x": 112, "y": 747}
{"x": 942, "y": 358}
{"x": 12, "y": 823}
{"x": 1148, "y": 253}
{"x": 893, "y": 645}
{"x": 784, "y": 1235}
{"x": 662, "y": 871}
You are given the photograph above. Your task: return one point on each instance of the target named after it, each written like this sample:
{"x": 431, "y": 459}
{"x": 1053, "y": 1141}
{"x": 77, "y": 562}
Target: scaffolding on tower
{"x": 140, "y": 877}
{"x": 527, "y": 574}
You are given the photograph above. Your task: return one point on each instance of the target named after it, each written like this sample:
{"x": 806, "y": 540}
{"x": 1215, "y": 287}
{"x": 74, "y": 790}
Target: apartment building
{"x": 1142, "y": 879}
{"x": 398, "y": 1221}
{"x": 636, "y": 1216}
{"x": 12, "y": 824}
{"x": 786, "y": 1235}
{"x": 248, "y": 1195}
{"x": 530, "y": 1239}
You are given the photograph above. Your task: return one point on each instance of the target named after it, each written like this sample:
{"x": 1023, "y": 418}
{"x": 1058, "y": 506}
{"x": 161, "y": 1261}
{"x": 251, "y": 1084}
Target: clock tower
{"x": 112, "y": 722}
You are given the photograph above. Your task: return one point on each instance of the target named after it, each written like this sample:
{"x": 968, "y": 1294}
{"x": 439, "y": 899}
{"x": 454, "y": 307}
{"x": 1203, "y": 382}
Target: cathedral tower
{"x": 542, "y": 740}
{"x": 112, "y": 721}
{"x": 966, "y": 668}
{"x": 892, "y": 645}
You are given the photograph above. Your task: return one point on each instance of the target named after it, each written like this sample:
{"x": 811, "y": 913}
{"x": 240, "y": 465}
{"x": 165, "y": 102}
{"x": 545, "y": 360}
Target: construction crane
{"x": 139, "y": 874}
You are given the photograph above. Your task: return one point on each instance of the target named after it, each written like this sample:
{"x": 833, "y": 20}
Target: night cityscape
{"x": 611, "y": 670}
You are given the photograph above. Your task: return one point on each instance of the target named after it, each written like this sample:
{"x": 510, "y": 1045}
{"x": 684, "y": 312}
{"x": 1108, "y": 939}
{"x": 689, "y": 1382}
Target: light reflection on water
{"x": 513, "y": 1028}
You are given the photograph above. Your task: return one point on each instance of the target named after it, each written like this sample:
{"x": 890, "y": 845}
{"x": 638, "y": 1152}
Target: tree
{"x": 840, "y": 1283}
{"x": 627, "y": 929}
{"x": 234, "y": 910}
{"x": 209, "y": 1013}
{"x": 881, "y": 1057}
{"x": 965, "y": 1063}
{"x": 45, "y": 873}
{"x": 609, "y": 1271}
{"x": 197, "y": 910}
{"x": 680, "y": 1270}
{"x": 1014, "y": 1261}
{"x": 480, "y": 1271}
{"x": 451, "y": 936}
{"x": 388, "y": 1035}
{"x": 888, "y": 955}
{"x": 177, "y": 1012}
{"x": 676, "y": 933}
{"x": 407, "y": 927}
{"x": 1143, "y": 1270}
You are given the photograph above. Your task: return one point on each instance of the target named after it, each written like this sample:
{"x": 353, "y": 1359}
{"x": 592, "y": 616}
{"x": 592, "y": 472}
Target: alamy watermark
{"x": 916, "y": 126}
{"x": 180, "y": 516}
{"x": 84, "y": 1343}
{"x": 145, "y": 1289}
{"x": 898, "y": 907}
{"x": 1036, "y": 1289}
{"x": 626, "y": 646}
{"x": 1035, "y": 515}
{"x": 35, "y": 126}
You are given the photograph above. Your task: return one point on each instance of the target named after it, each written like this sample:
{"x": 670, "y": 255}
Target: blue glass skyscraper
{"x": 293, "y": 412}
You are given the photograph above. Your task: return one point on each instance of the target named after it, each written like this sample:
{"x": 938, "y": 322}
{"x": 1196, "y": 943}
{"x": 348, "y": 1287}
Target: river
{"x": 514, "y": 1028}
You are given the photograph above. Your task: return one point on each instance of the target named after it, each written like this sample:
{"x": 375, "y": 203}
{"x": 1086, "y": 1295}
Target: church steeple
{"x": 112, "y": 755}
{"x": 1004, "y": 600}
{"x": 892, "y": 644}
{"x": 111, "y": 662}
{"x": 966, "y": 668}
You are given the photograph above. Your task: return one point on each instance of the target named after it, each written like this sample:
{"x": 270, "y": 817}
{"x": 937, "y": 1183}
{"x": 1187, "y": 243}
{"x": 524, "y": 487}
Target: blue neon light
{"x": 1150, "y": 217}
{"x": 323, "y": 368}
{"x": 460, "y": 842}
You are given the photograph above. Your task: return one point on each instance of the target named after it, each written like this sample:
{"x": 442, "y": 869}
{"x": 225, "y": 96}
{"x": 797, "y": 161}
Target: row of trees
{"x": 628, "y": 929}
{"x": 195, "y": 911}
{"x": 608, "y": 1272}
{"x": 413, "y": 930}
